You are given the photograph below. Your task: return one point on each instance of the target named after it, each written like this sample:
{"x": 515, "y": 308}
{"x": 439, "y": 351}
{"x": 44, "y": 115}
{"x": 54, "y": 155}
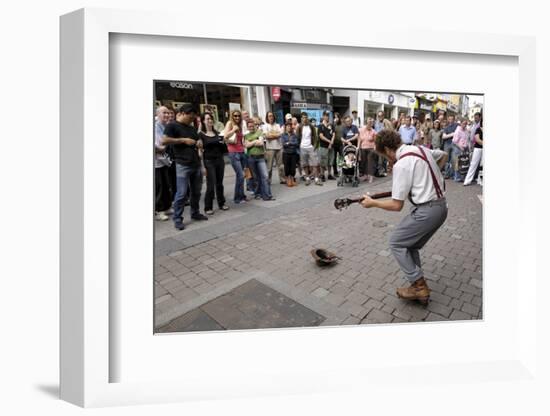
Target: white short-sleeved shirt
{"x": 306, "y": 137}
{"x": 274, "y": 144}
{"x": 411, "y": 175}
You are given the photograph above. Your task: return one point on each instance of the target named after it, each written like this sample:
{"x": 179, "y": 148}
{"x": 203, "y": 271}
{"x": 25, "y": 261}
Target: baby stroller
{"x": 348, "y": 165}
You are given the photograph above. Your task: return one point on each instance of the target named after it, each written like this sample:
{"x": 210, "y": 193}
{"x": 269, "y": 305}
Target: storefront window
{"x": 371, "y": 109}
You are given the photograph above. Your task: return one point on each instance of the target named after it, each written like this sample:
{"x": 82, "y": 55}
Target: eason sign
{"x": 182, "y": 85}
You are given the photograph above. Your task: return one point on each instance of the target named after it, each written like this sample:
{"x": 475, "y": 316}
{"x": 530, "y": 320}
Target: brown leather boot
{"x": 289, "y": 182}
{"x": 419, "y": 291}
{"x": 293, "y": 180}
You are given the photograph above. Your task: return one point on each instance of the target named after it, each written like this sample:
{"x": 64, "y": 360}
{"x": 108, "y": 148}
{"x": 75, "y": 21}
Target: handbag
{"x": 247, "y": 173}
{"x": 232, "y": 139}
{"x": 463, "y": 162}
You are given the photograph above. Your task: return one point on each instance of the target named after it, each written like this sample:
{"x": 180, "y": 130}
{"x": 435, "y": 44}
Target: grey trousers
{"x": 277, "y": 157}
{"x": 413, "y": 232}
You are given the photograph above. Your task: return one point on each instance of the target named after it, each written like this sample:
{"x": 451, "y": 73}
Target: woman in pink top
{"x": 460, "y": 145}
{"x": 366, "y": 150}
{"x": 233, "y": 137}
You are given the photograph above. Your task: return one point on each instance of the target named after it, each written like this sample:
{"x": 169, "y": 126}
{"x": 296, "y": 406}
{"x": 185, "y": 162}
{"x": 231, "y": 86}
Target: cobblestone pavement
{"x": 269, "y": 242}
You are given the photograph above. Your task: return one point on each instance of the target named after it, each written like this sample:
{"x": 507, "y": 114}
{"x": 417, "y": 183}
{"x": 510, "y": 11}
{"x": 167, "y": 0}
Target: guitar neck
{"x": 375, "y": 196}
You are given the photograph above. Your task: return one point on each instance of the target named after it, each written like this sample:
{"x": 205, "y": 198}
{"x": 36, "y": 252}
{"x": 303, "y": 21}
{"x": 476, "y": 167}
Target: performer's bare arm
{"x": 387, "y": 204}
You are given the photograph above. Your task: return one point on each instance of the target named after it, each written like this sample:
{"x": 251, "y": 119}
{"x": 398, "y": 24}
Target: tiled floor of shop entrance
{"x": 252, "y": 305}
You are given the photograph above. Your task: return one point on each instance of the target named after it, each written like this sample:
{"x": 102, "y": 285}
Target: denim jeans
{"x": 448, "y": 148}
{"x": 238, "y": 162}
{"x": 259, "y": 170}
{"x": 187, "y": 177}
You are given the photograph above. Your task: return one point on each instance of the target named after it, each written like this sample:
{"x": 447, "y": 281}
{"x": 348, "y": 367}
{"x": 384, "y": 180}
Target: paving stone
{"x": 433, "y": 317}
{"x": 453, "y": 293}
{"x": 320, "y": 292}
{"x": 455, "y": 304}
{"x": 357, "y": 298}
{"x": 376, "y": 316}
{"x": 334, "y": 299}
{"x": 377, "y": 294}
{"x": 439, "y": 308}
{"x": 476, "y": 300}
{"x": 351, "y": 320}
{"x": 470, "y": 289}
{"x": 470, "y": 309}
{"x": 353, "y": 309}
{"x": 457, "y": 315}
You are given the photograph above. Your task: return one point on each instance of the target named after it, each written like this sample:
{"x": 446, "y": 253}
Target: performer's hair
{"x": 387, "y": 138}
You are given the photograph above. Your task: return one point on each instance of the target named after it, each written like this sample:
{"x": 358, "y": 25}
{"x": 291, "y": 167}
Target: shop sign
{"x": 426, "y": 106}
{"x": 391, "y": 99}
{"x": 276, "y": 93}
{"x": 440, "y": 106}
{"x": 299, "y": 105}
{"x": 452, "y": 107}
{"x": 182, "y": 85}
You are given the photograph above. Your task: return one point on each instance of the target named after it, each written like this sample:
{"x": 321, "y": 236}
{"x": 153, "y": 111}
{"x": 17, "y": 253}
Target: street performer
{"x": 416, "y": 176}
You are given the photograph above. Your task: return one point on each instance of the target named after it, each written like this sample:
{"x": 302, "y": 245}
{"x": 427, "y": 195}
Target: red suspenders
{"x": 434, "y": 178}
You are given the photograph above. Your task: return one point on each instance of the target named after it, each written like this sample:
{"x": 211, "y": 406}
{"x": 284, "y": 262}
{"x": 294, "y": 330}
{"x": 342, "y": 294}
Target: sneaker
{"x": 209, "y": 212}
{"x": 257, "y": 196}
{"x": 169, "y": 211}
{"x": 224, "y": 207}
{"x": 308, "y": 181}
{"x": 303, "y": 178}
{"x": 199, "y": 217}
{"x": 323, "y": 178}
{"x": 179, "y": 226}
{"x": 161, "y": 216}
{"x": 331, "y": 178}
{"x": 269, "y": 199}
{"x": 318, "y": 182}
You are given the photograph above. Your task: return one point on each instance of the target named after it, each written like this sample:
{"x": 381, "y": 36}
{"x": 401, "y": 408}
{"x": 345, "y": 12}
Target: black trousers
{"x": 215, "y": 169}
{"x": 163, "y": 190}
{"x": 289, "y": 161}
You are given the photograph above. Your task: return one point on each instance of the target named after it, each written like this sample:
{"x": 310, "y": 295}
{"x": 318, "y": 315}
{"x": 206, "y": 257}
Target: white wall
{"x": 29, "y": 212}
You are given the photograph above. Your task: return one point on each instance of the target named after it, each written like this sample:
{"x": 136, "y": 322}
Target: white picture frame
{"x": 86, "y": 264}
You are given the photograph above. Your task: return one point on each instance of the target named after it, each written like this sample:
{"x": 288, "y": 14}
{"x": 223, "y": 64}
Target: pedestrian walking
{"x": 476, "y": 155}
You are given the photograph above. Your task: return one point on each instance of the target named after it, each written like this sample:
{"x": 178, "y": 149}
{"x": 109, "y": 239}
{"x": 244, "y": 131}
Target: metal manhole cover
{"x": 253, "y": 305}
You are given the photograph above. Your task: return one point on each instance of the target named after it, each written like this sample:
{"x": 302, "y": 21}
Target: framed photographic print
{"x": 283, "y": 293}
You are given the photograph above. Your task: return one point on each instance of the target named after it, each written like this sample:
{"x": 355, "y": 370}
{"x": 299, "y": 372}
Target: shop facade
{"x": 313, "y": 101}
{"x": 390, "y": 102}
{"x": 220, "y": 99}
